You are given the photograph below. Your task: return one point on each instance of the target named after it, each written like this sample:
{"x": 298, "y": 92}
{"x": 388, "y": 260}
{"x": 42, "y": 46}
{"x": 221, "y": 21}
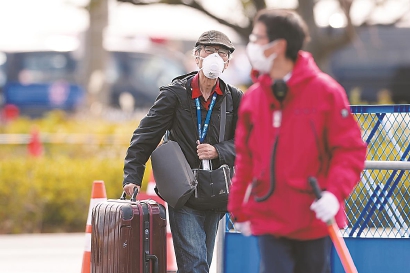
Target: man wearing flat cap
{"x": 190, "y": 109}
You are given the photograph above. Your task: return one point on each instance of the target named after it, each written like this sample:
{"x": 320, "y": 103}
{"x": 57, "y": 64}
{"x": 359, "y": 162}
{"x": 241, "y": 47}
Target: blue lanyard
{"x": 202, "y": 133}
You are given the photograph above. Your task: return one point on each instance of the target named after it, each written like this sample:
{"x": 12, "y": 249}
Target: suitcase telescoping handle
{"x": 154, "y": 260}
{"x": 133, "y": 197}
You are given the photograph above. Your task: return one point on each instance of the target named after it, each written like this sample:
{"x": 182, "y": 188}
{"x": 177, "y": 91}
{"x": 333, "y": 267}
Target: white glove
{"x": 244, "y": 228}
{"x": 326, "y": 207}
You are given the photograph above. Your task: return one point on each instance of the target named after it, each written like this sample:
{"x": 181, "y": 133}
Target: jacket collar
{"x": 305, "y": 68}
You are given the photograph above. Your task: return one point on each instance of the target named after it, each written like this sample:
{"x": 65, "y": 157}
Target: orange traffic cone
{"x": 171, "y": 260}
{"x": 98, "y": 195}
{"x": 10, "y": 112}
{"x": 35, "y": 147}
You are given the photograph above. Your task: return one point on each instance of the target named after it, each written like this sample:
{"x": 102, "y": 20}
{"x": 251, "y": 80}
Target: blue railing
{"x": 379, "y": 206}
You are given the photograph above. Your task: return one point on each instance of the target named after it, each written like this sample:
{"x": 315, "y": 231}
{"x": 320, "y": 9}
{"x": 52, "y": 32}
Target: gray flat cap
{"x": 214, "y": 37}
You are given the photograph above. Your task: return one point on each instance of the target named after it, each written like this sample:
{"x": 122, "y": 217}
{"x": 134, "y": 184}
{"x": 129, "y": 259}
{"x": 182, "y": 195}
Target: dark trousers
{"x": 282, "y": 255}
{"x": 193, "y": 234}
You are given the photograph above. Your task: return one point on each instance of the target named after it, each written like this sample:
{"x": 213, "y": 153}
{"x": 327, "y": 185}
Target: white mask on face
{"x": 212, "y": 66}
{"x": 257, "y": 57}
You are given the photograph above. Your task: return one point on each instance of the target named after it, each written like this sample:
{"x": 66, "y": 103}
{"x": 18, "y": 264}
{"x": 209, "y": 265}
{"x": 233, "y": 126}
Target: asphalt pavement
{"x": 42, "y": 253}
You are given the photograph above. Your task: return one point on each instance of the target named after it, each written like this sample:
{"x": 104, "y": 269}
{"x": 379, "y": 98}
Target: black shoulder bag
{"x": 212, "y": 186}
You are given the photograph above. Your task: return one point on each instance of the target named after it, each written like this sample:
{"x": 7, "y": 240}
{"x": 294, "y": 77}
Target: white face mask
{"x": 212, "y": 66}
{"x": 257, "y": 57}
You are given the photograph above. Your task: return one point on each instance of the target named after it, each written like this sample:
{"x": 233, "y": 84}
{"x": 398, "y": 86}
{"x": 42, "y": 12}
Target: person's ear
{"x": 226, "y": 64}
{"x": 197, "y": 58}
{"x": 281, "y": 46}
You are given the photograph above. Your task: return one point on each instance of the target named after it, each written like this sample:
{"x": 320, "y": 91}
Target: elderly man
{"x": 178, "y": 108}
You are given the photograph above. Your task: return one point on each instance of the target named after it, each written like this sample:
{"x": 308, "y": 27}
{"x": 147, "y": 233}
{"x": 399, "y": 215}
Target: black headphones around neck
{"x": 279, "y": 89}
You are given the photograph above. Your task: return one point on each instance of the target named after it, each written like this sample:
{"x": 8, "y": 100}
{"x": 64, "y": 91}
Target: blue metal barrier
{"x": 378, "y": 210}
{"x": 379, "y": 206}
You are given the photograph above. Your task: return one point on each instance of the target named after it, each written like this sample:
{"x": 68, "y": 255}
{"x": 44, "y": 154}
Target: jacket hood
{"x": 305, "y": 68}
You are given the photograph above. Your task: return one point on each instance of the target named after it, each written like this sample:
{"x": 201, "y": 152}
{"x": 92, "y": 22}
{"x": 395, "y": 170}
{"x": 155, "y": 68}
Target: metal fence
{"x": 379, "y": 206}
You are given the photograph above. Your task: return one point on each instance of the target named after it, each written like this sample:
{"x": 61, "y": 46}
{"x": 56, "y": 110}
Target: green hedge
{"x": 52, "y": 193}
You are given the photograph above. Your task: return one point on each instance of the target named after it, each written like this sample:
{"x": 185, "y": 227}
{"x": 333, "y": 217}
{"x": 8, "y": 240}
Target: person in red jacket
{"x": 294, "y": 123}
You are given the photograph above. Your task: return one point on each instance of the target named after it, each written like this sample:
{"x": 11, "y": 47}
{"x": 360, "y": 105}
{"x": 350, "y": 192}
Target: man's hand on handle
{"x": 129, "y": 189}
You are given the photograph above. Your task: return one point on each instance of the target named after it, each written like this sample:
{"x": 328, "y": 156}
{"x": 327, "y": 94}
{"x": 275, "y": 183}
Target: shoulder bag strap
{"x": 223, "y": 121}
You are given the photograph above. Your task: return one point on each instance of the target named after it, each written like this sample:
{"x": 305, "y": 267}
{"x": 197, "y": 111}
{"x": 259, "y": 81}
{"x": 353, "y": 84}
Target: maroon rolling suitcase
{"x": 128, "y": 236}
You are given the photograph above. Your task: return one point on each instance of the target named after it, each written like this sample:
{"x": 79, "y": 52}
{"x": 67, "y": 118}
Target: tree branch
{"x": 242, "y": 31}
{"x": 349, "y": 32}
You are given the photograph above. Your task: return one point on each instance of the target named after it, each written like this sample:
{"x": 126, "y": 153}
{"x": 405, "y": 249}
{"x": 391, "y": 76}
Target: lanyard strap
{"x": 202, "y": 132}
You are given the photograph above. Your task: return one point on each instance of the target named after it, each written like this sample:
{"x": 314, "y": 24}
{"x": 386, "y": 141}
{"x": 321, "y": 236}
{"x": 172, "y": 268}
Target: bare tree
{"x": 94, "y": 61}
{"x": 322, "y": 44}
{"x": 95, "y": 55}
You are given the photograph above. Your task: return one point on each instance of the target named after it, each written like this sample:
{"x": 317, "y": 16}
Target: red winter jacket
{"x": 318, "y": 137}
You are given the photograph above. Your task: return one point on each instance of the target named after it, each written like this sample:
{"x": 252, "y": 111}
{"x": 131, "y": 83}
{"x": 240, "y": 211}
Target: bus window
{"x": 42, "y": 67}
{"x": 3, "y": 61}
{"x": 39, "y": 81}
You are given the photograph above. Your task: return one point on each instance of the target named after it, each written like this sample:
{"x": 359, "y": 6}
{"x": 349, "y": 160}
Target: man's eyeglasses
{"x": 254, "y": 37}
{"x": 221, "y": 51}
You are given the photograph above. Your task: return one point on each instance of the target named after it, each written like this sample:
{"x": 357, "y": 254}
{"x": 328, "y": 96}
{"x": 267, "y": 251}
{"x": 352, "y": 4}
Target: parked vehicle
{"x": 138, "y": 75}
{"x": 376, "y": 65}
{"x": 39, "y": 81}
{"x": 3, "y": 76}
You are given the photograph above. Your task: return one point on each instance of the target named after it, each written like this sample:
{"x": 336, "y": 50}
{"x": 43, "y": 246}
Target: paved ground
{"x": 41, "y": 253}
{"x": 44, "y": 253}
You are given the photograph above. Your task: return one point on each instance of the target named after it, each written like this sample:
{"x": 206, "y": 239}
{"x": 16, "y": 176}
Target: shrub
{"x": 52, "y": 193}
